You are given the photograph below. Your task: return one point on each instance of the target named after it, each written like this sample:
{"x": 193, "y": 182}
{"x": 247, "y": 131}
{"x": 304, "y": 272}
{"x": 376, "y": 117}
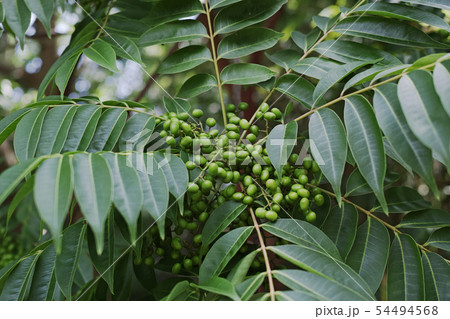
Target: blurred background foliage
{"x": 21, "y": 72}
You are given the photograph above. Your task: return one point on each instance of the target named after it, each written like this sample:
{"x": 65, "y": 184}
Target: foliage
{"x": 137, "y": 193}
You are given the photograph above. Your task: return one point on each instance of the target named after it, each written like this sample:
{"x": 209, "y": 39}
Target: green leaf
{"x": 137, "y": 132}
{"x": 64, "y": 73}
{"x": 335, "y": 75}
{"x": 220, "y": 219}
{"x": 82, "y": 129}
{"x": 127, "y": 195}
{"x": 196, "y": 85}
{"x": 214, "y": 4}
{"x": 305, "y": 41}
{"x": 304, "y": 234}
{"x": 11, "y": 177}
{"x": 280, "y": 144}
{"x": 403, "y": 12}
{"x": 440, "y": 238}
{"x": 179, "y": 292}
{"x": 176, "y": 105}
{"x": 245, "y": 13}
{"x": 55, "y": 129}
{"x": 171, "y": 10}
{"x": 44, "y": 280}
{"x": 437, "y": 277}
{"x": 366, "y": 143}
{"x": 429, "y": 218}
{"x": 239, "y": 272}
{"x": 340, "y": 226}
{"x": 318, "y": 287}
{"x": 15, "y": 288}
{"x": 405, "y": 280}
{"x": 284, "y": 58}
{"x": 220, "y": 286}
{"x": 126, "y": 27}
{"x": 403, "y": 199}
{"x": 441, "y": 79}
{"x": 103, "y": 54}
{"x": 53, "y": 194}
{"x": 350, "y": 51}
{"x": 176, "y": 31}
{"x": 43, "y": 9}
{"x": 392, "y": 153}
{"x": 325, "y": 23}
{"x": 369, "y": 253}
{"x": 66, "y": 263}
{"x": 222, "y": 251}
{"x": 155, "y": 190}
{"x": 424, "y": 112}
{"x": 295, "y": 296}
{"x": 314, "y": 67}
{"x": 18, "y": 17}
{"x": 325, "y": 266}
{"x": 8, "y": 123}
{"x": 94, "y": 191}
{"x": 440, "y": 4}
{"x": 124, "y": 47}
{"x": 247, "y": 41}
{"x": 393, "y": 123}
{"x": 329, "y": 146}
{"x": 176, "y": 174}
{"x": 248, "y": 288}
{"x": 297, "y": 88}
{"x": 185, "y": 59}
{"x": 108, "y": 130}
{"x": 20, "y": 195}
{"x": 104, "y": 263}
{"x": 357, "y": 185}
{"x": 363, "y": 77}
{"x": 245, "y": 73}
{"x": 27, "y": 134}
{"x": 386, "y": 30}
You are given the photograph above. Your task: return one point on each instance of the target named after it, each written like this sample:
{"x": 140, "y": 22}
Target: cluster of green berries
{"x": 223, "y": 169}
{"x": 9, "y": 249}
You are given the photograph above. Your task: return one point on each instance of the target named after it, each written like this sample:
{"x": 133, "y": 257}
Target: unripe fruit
{"x": 229, "y": 177}
{"x": 196, "y": 260}
{"x": 191, "y": 226}
{"x": 213, "y": 169}
{"x": 187, "y": 263}
{"x": 193, "y": 188}
{"x": 236, "y": 177}
{"x": 186, "y": 127}
{"x": 149, "y": 261}
{"x": 176, "y": 268}
{"x": 307, "y": 162}
{"x": 137, "y": 261}
{"x": 244, "y": 124}
{"x": 207, "y": 186}
{"x": 285, "y": 181}
{"x": 265, "y": 175}
{"x": 197, "y": 113}
{"x": 311, "y": 217}
{"x": 247, "y": 200}
{"x": 203, "y": 217}
{"x": 293, "y": 159}
{"x": 171, "y": 141}
{"x": 190, "y": 165}
{"x": 251, "y": 138}
{"x": 235, "y": 120}
{"x": 175, "y": 254}
{"x": 229, "y": 190}
{"x": 230, "y": 108}
{"x": 277, "y": 112}
{"x": 315, "y": 191}
{"x": 210, "y": 122}
{"x": 238, "y": 196}
{"x": 175, "y": 126}
{"x": 271, "y": 215}
{"x": 257, "y": 169}
{"x": 186, "y": 141}
{"x": 243, "y": 106}
{"x": 276, "y": 208}
{"x": 304, "y": 204}
{"x": 252, "y": 189}
{"x": 293, "y": 196}
{"x": 270, "y": 116}
{"x": 296, "y": 187}
{"x": 183, "y": 116}
{"x": 233, "y": 135}
{"x": 260, "y": 212}
{"x": 163, "y": 134}
{"x": 198, "y": 239}
{"x": 303, "y": 192}
{"x": 214, "y": 133}
{"x": 248, "y": 180}
{"x": 315, "y": 167}
{"x": 160, "y": 251}
{"x": 242, "y": 154}
{"x": 303, "y": 179}
{"x": 255, "y": 264}
{"x": 166, "y": 125}
{"x": 176, "y": 243}
{"x": 264, "y": 107}
{"x": 277, "y": 198}
{"x": 271, "y": 184}
{"x": 254, "y": 129}
{"x": 319, "y": 199}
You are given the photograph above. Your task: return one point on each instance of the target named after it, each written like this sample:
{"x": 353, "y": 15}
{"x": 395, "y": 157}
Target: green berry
{"x": 277, "y": 112}
{"x": 230, "y": 108}
{"x": 160, "y": 251}
{"x": 303, "y": 179}
{"x": 213, "y": 169}
{"x": 304, "y": 204}
{"x": 190, "y": 165}
{"x": 248, "y": 180}
{"x": 235, "y": 120}
{"x": 293, "y": 196}
{"x": 265, "y": 174}
{"x": 203, "y": 217}
{"x": 197, "y": 113}
{"x": 270, "y": 116}
{"x": 251, "y": 138}
{"x": 175, "y": 254}
{"x": 276, "y": 208}
{"x": 137, "y": 261}
{"x": 303, "y": 192}
{"x": 247, "y": 200}
{"x": 260, "y": 212}
{"x": 296, "y": 187}
{"x": 191, "y": 226}
{"x": 198, "y": 239}
{"x": 243, "y": 106}
{"x": 271, "y": 215}
{"x": 271, "y": 184}
{"x": 171, "y": 141}
{"x": 207, "y": 186}
{"x": 257, "y": 169}
{"x": 183, "y": 116}
{"x": 214, "y": 133}
{"x": 307, "y": 162}
{"x": 315, "y": 167}
{"x": 193, "y": 188}
{"x": 187, "y": 264}
{"x": 176, "y": 243}
{"x": 244, "y": 124}
{"x": 238, "y": 196}
{"x": 176, "y": 268}
{"x": 277, "y": 198}
{"x": 210, "y": 122}
{"x": 319, "y": 199}
{"x": 315, "y": 191}
{"x": 293, "y": 159}
{"x": 311, "y": 217}
{"x": 254, "y": 129}
{"x": 264, "y": 107}
{"x": 196, "y": 260}
{"x": 233, "y": 135}
{"x": 251, "y": 190}
{"x": 186, "y": 141}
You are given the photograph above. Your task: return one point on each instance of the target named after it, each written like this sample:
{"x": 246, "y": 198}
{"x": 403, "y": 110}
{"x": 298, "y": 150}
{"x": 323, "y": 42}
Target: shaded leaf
{"x": 297, "y": 88}
{"x": 314, "y": 67}
{"x": 437, "y": 277}
{"x": 44, "y": 281}
{"x": 284, "y": 58}
{"x": 357, "y": 185}
{"x": 248, "y": 288}
{"x": 220, "y": 286}
{"x": 280, "y": 144}
{"x": 8, "y": 123}
{"x": 440, "y": 238}
{"x": 176, "y": 31}
{"x": 109, "y": 128}
{"x": 103, "y": 54}
{"x": 15, "y": 287}
{"x": 185, "y": 59}
{"x": 403, "y": 199}
{"x": 441, "y": 80}
{"x": 196, "y": 85}
{"x": 18, "y": 17}
{"x": 245, "y": 73}
{"x": 136, "y": 132}
{"x": 171, "y": 10}
{"x": 431, "y": 218}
